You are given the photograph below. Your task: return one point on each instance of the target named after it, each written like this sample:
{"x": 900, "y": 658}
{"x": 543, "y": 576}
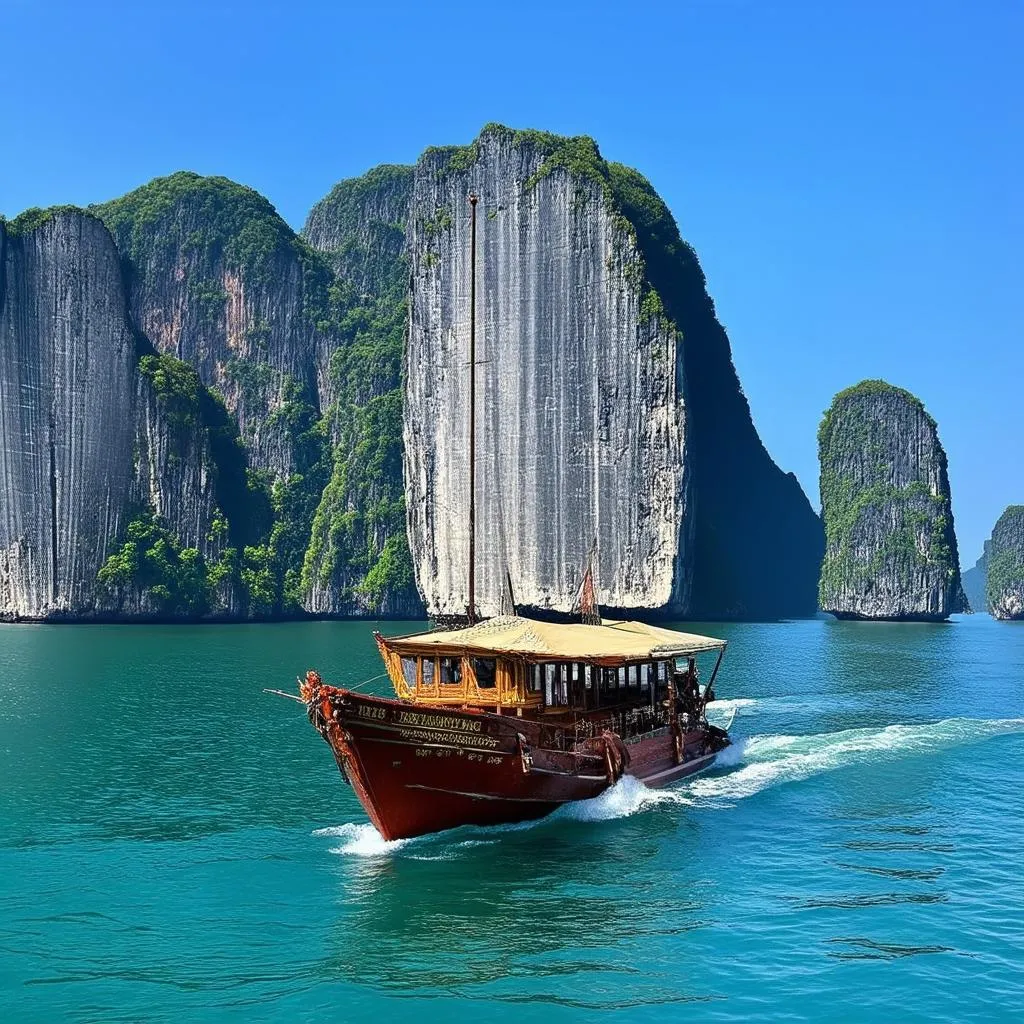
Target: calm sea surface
{"x": 177, "y": 845}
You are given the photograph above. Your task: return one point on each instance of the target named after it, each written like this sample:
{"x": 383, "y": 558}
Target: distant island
{"x": 1004, "y": 565}
{"x": 206, "y": 416}
{"x": 891, "y": 550}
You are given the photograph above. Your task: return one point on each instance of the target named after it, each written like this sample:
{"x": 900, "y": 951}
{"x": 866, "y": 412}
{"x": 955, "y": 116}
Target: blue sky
{"x": 850, "y": 174}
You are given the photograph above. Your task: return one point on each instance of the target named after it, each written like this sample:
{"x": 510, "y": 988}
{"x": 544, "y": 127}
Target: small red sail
{"x": 590, "y": 614}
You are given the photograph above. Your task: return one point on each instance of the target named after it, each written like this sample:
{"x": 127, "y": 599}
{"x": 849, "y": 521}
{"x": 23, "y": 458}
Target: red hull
{"x": 419, "y": 769}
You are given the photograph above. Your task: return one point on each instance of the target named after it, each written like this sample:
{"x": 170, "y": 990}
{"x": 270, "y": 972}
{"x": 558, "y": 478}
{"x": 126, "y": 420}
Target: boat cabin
{"x": 517, "y": 665}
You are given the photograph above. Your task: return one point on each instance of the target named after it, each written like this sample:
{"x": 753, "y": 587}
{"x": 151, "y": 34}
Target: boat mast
{"x": 471, "y": 610}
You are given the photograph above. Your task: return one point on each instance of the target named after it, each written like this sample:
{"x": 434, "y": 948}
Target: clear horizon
{"x": 848, "y": 177}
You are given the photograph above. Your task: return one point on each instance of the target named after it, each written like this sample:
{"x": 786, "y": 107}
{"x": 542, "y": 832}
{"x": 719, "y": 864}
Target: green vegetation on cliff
{"x": 1005, "y": 570}
{"x": 207, "y": 232}
{"x": 189, "y": 407}
{"x": 225, "y": 220}
{"x": 358, "y": 539}
{"x": 336, "y": 515}
{"x": 151, "y": 560}
{"x": 344, "y": 208}
{"x": 177, "y": 580}
{"x": 358, "y": 542}
{"x": 34, "y": 217}
{"x": 858, "y": 429}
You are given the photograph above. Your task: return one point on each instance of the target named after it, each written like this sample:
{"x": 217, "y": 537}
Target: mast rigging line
{"x": 471, "y": 609}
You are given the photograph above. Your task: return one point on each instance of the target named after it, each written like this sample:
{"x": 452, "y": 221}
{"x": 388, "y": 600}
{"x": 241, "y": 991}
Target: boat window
{"x": 485, "y": 670}
{"x": 661, "y": 672}
{"x": 556, "y": 685}
{"x": 622, "y": 678}
{"x": 587, "y": 681}
{"x": 575, "y": 678}
{"x": 451, "y": 671}
{"x": 608, "y": 679}
{"x": 633, "y": 676}
{"x": 428, "y": 672}
{"x": 409, "y": 671}
{"x": 536, "y": 672}
{"x": 645, "y": 677}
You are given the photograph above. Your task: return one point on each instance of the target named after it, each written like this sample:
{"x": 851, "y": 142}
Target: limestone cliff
{"x": 360, "y": 226}
{"x": 891, "y": 549}
{"x": 1005, "y": 583}
{"x": 581, "y": 427}
{"x": 86, "y": 443}
{"x": 204, "y": 414}
{"x": 609, "y": 406}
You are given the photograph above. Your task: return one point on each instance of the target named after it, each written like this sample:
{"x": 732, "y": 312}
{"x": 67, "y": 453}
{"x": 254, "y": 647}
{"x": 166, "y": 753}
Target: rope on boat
{"x": 281, "y": 693}
{"x": 372, "y": 679}
{"x": 302, "y": 700}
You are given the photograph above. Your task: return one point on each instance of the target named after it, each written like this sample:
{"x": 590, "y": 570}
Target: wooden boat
{"x": 506, "y": 719}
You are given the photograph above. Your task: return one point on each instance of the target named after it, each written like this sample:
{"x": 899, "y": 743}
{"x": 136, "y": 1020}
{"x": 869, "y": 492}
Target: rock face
{"x": 608, "y": 403}
{"x": 219, "y": 281}
{"x": 891, "y": 549}
{"x": 86, "y": 441}
{"x": 1005, "y": 584}
{"x": 581, "y": 426}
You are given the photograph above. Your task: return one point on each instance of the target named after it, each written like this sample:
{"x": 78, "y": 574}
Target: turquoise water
{"x": 175, "y": 844}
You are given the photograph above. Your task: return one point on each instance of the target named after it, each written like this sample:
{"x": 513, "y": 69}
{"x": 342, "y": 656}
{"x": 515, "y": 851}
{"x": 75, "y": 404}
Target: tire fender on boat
{"x": 524, "y": 753}
{"x": 616, "y": 756}
{"x": 677, "y": 743}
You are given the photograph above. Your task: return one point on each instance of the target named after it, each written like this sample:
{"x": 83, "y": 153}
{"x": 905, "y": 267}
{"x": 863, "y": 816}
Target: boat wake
{"x": 361, "y": 840}
{"x": 773, "y": 760}
{"x": 759, "y": 762}
{"x": 627, "y": 797}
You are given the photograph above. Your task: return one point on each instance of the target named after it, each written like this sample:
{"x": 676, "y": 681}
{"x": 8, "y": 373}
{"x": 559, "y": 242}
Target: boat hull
{"x": 417, "y": 770}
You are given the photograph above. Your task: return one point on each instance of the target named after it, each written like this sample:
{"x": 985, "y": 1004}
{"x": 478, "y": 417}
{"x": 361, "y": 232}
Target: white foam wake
{"x": 361, "y": 840}
{"x": 628, "y": 796}
{"x": 773, "y": 760}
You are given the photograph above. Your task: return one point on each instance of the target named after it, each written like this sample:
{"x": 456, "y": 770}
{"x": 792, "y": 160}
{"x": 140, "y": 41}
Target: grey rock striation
{"x": 1005, "y": 577}
{"x": 891, "y": 550}
{"x": 83, "y": 440}
{"x": 581, "y": 425}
